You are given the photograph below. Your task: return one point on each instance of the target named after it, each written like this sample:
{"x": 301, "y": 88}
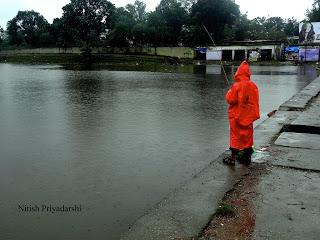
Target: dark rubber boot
{"x": 230, "y": 160}
{"x": 244, "y": 156}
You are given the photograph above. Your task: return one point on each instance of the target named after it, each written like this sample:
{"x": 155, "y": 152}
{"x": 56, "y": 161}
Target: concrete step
{"x": 288, "y": 207}
{"x": 297, "y": 158}
{"x": 307, "y": 121}
{"x": 299, "y": 140}
{"x": 300, "y": 101}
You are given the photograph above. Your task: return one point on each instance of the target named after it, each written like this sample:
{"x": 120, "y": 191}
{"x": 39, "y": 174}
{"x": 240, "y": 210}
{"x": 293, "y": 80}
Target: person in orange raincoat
{"x": 243, "y": 100}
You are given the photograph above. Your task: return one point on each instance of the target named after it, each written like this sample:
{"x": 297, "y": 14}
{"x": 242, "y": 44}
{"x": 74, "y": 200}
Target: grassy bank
{"x": 40, "y": 58}
{"x": 78, "y": 58}
{"x": 119, "y": 62}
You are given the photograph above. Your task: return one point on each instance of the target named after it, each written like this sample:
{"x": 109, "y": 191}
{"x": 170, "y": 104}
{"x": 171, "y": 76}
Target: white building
{"x": 262, "y": 50}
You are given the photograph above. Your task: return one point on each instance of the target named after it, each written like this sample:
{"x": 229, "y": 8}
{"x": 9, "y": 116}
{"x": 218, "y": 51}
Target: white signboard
{"x": 309, "y": 32}
{"x": 214, "y": 55}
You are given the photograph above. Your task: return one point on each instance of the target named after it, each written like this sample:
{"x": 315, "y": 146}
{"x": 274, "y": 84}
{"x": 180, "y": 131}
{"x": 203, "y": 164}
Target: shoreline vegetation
{"x": 119, "y": 61}
{"x": 99, "y": 23}
{"x": 97, "y": 32}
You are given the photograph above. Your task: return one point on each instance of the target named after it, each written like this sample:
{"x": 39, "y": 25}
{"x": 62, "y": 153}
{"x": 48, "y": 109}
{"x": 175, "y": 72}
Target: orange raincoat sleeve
{"x": 232, "y": 96}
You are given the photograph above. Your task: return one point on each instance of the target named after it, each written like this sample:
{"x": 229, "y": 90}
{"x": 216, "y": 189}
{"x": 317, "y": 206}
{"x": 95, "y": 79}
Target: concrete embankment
{"x": 284, "y": 198}
{"x": 288, "y": 193}
{"x": 288, "y": 206}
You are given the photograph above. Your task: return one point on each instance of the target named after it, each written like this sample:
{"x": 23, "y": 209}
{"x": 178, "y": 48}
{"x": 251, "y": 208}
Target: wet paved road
{"x": 113, "y": 142}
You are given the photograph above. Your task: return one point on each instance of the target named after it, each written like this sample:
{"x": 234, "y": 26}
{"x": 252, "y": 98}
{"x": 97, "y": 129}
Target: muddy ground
{"x": 235, "y": 217}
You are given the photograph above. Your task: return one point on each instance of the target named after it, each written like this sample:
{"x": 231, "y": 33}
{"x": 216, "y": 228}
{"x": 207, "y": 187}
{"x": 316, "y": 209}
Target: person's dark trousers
{"x": 234, "y": 151}
{"x": 248, "y": 152}
{"x": 244, "y": 156}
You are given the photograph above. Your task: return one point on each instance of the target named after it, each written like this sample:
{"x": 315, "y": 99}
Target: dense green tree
{"x": 28, "y": 28}
{"x": 92, "y": 23}
{"x": 257, "y": 29}
{"x": 291, "y": 27}
{"x": 56, "y": 31}
{"x": 86, "y": 21}
{"x": 313, "y": 14}
{"x": 137, "y": 11}
{"x": 166, "y": 23}
{"x": 2, "y": 37}
{"x": 121, "y": 32}
{"x": 129, "y": 25}
{"x": 139, "y": 15}
{"x": 239, "y": 31}
{"x": 155, "y": 31}
{"x": 2, "y": 34}
{"x": 187, "y": 4}
{"x": 215, "y": 15}
{"x": 192, "y": 35}
{"x": 273, "y": 28}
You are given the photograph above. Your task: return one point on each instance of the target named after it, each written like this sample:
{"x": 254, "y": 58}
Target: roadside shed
{"x": 260, "y": 50}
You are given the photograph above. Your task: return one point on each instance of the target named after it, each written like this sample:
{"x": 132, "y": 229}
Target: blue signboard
{"x": 291, "y": 49}
{"x": 201, "y": 50}
{"x": 309, "y": 54}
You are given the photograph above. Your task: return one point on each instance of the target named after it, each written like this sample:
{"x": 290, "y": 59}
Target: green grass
{"x": 225, "y": 209}
{"x": 116, "y": 62}
{"x": 40, "y": 58}
{"x": 78, "y": 58}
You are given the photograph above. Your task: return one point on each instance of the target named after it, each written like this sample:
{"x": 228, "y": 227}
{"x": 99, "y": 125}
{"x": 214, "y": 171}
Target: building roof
{"x": 253, "y": 42}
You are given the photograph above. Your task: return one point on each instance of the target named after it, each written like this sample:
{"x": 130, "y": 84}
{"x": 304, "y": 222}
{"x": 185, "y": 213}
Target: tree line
{"x": 98, "y": 23}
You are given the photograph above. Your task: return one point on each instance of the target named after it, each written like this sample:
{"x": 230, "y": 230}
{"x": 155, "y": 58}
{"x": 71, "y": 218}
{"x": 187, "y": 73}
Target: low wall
{"x": 180, "y": 52}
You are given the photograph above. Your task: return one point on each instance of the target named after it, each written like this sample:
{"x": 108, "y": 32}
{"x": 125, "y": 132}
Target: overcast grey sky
{"x": 51, "y": 9}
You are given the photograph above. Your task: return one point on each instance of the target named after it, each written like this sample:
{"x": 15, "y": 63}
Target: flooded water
{"x": 112, "y": 142}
